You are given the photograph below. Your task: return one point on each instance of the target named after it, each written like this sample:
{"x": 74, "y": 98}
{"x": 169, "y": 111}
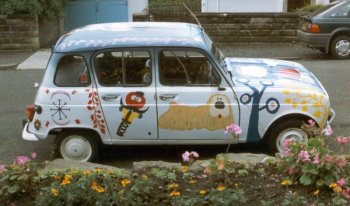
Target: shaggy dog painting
{"x": 216, "y": 114}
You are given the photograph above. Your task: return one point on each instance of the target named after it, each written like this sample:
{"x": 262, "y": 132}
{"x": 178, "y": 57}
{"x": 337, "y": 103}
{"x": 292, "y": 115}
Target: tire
{"x": 288, "y": 129}
{"x": 77, "y": 146}
{"x": 340, "y": 47}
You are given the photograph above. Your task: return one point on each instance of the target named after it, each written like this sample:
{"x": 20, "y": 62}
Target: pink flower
{"x": 328, "y": 130}
{"x": 341, "y": 162}
{"x": 34, "y": 154}
{"x": 304, "y": 156}
{"x": 343, "y": 140}
{"x": 2, "y": 168}
{"x": 233, "y": 129}
{"x": 328, "y": 158}
{"x": 311, "y": 122}
{"x": 316, "y": 159}
{"x": 189, "y": 156}
{"x": 291, "y": 170}
{"x": 21, "y": 160}
{"x": 346, "y": 193}
{"x": 341, "y": 182}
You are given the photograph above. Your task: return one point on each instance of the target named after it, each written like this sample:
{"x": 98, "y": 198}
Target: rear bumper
{"x": 313, "y": 40}
{"x": 28, "y": 136}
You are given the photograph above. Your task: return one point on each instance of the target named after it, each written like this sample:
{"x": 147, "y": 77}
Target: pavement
{"x": 22, "y": 60}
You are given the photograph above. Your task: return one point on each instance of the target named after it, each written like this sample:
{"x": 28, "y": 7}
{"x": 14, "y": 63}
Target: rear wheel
{"x": 340, "y": 47}
{"x": 77, "y": 146}
{"x": 288, "y": 129}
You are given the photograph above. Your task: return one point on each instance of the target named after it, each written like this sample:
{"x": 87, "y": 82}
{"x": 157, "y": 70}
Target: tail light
{"x": 314, "y": 28}
{"x": 30, "y": 111}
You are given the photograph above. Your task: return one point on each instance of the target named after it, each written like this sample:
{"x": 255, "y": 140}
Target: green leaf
{"x": 13, "y": 189}
{"x": 23, "y": 177}
{"x": 305, "y": 180}
{"x": 13, "y": 177}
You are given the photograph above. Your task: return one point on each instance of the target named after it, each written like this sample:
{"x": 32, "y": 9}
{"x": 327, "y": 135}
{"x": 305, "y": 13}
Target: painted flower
{"x": 328, "y": 130}
{"x": 21, "y": 160}
{"x": 202, "y": 192}
{"x": 125, "y": 182}
{"x": 233, "y": 129}
{"x": 304, "y": 156}
{"x": 54, "y": 192}
{"x": 174, "y": 194}
{"x": 221, "y": 188}
{"x": 341, "y": 182}
{"x": 184, "y": 169}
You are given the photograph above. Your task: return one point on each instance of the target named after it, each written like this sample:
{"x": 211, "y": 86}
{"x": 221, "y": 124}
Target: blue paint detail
{"x": 83, "y": 12}
{"x": 255, "y": 98}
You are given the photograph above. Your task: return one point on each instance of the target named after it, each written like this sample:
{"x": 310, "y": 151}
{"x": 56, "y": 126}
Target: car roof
{"x": 131, "y": 34}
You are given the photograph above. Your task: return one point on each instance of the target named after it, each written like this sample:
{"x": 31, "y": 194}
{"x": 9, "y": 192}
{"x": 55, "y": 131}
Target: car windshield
{"x": 325, "y": 8}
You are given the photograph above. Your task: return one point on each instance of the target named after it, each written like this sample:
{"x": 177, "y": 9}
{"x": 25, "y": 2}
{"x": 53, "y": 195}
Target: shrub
{"x": 310, "y": 8}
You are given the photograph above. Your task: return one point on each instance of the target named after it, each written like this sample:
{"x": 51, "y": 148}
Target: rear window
{"x": 317, "y": 12}
{"x": 72, "y": 71}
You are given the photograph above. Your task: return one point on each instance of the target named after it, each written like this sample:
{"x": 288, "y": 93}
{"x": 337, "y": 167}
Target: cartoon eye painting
{"x": 216, "y": 114}
{"x": 131, "y": 110}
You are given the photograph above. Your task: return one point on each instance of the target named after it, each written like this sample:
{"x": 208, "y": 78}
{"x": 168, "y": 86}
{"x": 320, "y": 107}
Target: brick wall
{"x": 19, "y": 32}
{"x": 242, "y": 27}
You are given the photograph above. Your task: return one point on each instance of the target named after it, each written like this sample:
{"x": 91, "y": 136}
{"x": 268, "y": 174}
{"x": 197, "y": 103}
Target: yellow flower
{"x": 286, "y": 182}
{"x": 332, "y": 185}
{"x": 221, "y": 188}
{"x": 98, "y": 169}
{"x": 316, "y": 192}
{"x": 144, "y": 177}
{"x": 192, "y": 182}
{"x": 86, "y": 172}
{"x": 65, "y": 182}
{"x": 184, "y": 169}
{"x": 100, "y": 189}
{"x": 94, "y": 185}
{"x": 202, "y": 192}
{"x": 173, "y": 185}
{"x": 56, "y": 177}
{"x": 54, "y": 192}
{"x": 125, "y": 182}
{"x": 236, "y": 184}
{"x": 68, "y": 177}
{"x": 174, "y": 194}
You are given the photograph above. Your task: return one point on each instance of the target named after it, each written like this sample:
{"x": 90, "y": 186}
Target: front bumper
{"x": 28, "y": 136}
{"x": 314, "y": 40}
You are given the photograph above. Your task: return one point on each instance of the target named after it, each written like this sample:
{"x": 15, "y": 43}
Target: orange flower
{"x": 174, "y": 194}
{"x": 125, "y": 182}
{"x": 286, "y": 182}
{"x": 54, "y": 192}
{"x": 86, "y": 172}
{"x": 221, "y": 188}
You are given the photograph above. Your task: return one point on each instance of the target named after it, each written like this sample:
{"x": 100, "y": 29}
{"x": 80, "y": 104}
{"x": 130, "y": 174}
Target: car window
{"x": 182, "y": 67}
{"x": 72, "y": 71}
{"x": 342, "y": 12}
{"x": 123, "y": 68}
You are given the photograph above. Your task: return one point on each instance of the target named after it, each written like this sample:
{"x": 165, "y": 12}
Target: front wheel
{"x": 80, "y": 146}
{"x": 286, "y": 130}
{"x": 340, "y": 47}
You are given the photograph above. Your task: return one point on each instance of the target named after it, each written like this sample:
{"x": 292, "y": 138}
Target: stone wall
{"x": 242, "y": 27}
{"x": 19, "y": 32}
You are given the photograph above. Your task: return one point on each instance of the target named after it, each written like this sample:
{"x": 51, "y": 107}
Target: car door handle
{"x": 109, "y": 96}
{"x": 167, "y": 96}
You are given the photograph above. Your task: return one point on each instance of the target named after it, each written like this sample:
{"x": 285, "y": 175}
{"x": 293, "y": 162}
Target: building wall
{"x": 19, "y": 32}
{"x": 243, "y": 5}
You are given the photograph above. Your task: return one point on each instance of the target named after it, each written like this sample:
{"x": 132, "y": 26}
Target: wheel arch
{"x": 335, "y": 34}
{"x": 88, "y": 131}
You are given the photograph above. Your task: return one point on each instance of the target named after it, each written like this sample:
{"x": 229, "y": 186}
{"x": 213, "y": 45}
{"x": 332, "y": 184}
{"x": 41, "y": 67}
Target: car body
{"x": 166, "y": 83}
{"x": 328, "y": 29}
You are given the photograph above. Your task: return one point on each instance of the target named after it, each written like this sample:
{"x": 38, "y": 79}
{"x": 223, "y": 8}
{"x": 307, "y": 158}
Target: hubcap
{"x": 342, "y": 48}
{"x": 295, "y": 134}
{"x": 76, "y": 148}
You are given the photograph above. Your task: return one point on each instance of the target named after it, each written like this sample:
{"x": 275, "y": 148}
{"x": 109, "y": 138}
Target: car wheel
{"x": 288, "y": 129}
{"x": 81, "y": 146}
{"x": 340, "y": 47}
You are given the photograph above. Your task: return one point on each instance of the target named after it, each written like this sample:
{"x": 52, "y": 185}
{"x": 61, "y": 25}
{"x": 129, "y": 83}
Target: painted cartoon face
{"x": 135, "y": 99}
{"x": 219, "y": 106}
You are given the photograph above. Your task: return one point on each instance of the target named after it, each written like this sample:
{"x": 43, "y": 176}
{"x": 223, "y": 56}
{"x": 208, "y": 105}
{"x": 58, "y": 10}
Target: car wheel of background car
{"x": 340, "y": 47}
{"x": 79, "y": 146}
{"x": 288, "y": 129}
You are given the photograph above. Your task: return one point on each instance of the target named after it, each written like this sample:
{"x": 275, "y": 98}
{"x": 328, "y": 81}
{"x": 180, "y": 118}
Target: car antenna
{"x": 195, "y": 17}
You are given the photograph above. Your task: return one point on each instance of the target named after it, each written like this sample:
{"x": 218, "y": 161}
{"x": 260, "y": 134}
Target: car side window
{"x": 186, "y": 67}
{"x": 123, "y": 68}
{"x": 72, "y": 71}
{"x": 343, "y": 12}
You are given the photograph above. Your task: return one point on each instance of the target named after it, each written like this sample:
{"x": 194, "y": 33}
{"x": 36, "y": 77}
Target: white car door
{"x": 193, "y": 100}
{"x": 126, "y": 90}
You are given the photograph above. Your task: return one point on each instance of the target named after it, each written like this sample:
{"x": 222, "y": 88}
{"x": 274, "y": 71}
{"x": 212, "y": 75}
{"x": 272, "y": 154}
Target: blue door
{"x": 82, "y": 12}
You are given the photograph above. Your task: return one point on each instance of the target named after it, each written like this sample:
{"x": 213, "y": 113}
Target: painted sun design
{"x": 59, "y": 112}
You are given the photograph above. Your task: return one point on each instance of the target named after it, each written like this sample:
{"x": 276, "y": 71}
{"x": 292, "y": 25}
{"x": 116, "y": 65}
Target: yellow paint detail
{"x": 286, "y": 92}
{"x": 317, "y": 114}
{"x": 294, "y": 104}
{"x": 304, "y": 109}
{"x": 288, "y": 101}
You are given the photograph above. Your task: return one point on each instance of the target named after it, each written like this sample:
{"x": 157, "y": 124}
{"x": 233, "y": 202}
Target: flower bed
{"x": 305, "y": 174}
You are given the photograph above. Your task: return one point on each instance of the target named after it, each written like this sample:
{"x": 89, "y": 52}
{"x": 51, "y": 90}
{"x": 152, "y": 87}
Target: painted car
{"x": 166, "y": 83}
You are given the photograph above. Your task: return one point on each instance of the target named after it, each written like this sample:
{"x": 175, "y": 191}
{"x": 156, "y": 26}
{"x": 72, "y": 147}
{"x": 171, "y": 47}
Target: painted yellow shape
{"x": 304, "y": 109}
{"x": 294, "y": 104}
{"x": 132, "y": 115}
{"x": 317, "y": 114}
{"x": 288, "y": 101}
